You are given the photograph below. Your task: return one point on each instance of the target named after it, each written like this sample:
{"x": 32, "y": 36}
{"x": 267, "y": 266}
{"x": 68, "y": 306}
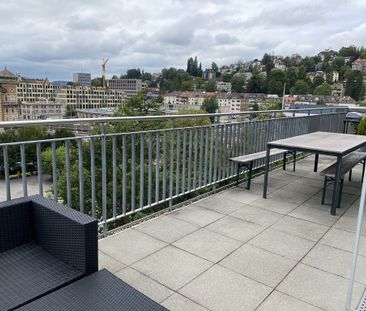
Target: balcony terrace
{"x": 173, "y": 226}
{"x": 236, "y": 251}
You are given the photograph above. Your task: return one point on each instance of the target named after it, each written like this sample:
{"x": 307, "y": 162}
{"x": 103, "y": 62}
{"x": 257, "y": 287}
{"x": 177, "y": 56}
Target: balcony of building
{"x": 174, "y": 226}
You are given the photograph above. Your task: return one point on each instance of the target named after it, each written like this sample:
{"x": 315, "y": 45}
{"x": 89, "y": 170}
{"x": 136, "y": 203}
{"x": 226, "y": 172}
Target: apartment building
{"x": 86, "y": 98}
{"x": 130, "y": 86}
{"x": 33, "y": 90}
{"x": 223, "y": 86}
{"x": 41, "y": 110}
{"x": 9, "y": 110}
{"x": 81, "y": 78}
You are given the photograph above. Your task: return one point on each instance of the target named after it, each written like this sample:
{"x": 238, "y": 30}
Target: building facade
{"x": 81, "y": 78}
{"x": 9, "y": 108}
{"x": 130, "y": 86}
{"x": 41, "y": 110}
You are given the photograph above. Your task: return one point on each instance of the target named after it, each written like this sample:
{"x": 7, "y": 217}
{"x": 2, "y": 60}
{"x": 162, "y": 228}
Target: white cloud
{"x": 55, "y": 38}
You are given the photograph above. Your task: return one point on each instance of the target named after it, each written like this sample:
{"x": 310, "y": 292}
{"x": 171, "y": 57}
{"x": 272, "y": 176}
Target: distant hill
{"x": 60, "y": 82}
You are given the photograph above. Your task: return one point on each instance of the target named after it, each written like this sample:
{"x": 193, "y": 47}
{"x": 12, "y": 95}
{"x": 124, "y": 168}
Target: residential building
{"x": 130, "y": 86}
{"x": 41, "y": 110}
{"x": 278, "y": 64}
{"x": 9, "y": 109}
{"x": 96, "y": 112}
{"x": 35, "y": 90}
{"x": 209, "y": 74}
{"x": 225, "y": 69}
{"x": 81, "y": 78}
{"x": 337, "y": 89}
{"x": 359, "y": 64}
{"x": 223, "y": 86}
{"x": 329, "y": 100}
{"x": 90, "y": 97}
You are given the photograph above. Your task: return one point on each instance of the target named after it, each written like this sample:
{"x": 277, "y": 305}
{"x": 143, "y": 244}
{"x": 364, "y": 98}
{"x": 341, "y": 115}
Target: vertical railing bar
{"x": 195, "y": 158}
{"x": 124, "y": 170}
{"x": 104, "y": 182}
{"x": 24, "y": 170}
{"x": 215, "y": 177}
{"x": 92, "y": 176}
{"x": 39, "y": 169}
{"x": 206, "y": 158}
{"x": 133, "y": 171}
{"x": 142, "y": 167}
{"x": 114, "y": 177}
{"x": 54, "y": 171}
{"x": 164, "y": 163}
{"x": 157, "y": 167}
{"x": 150, "y": 164}
{"x": 210, "y": 171}
{"x": 81, "y": 176}
{"x": 189, "y": 161}
{"x": 200, "y": 158}
{"x": 184, "y": 160}
{"x": 68, "y": 181}
{"x": 177, "y": 164}
{"x": 171, "y": 168}
{"x": 6, "y": 172}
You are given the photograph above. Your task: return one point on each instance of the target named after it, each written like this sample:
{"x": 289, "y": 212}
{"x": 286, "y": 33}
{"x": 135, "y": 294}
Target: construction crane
{"x": 104, "y": 63}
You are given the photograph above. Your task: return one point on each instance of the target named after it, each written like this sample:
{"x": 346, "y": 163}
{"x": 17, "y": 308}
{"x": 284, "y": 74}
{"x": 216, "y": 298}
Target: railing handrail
{"x": 7, "y": 124}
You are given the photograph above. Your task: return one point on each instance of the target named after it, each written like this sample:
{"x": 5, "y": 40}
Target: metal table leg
{"x": 316, "y": 162}
{"x": 265, "y": 186}
{"x": 337, "y": 180}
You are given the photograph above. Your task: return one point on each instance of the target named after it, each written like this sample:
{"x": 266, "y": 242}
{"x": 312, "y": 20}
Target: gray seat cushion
{"x": 28, "y": 272}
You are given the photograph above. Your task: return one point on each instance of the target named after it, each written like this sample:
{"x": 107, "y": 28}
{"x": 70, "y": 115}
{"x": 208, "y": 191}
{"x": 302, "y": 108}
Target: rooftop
{"x": 236, "y": 251}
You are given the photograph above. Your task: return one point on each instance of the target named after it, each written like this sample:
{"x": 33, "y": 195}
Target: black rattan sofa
{"x": 43, "y": 246}
{"x": 49, "y": 261}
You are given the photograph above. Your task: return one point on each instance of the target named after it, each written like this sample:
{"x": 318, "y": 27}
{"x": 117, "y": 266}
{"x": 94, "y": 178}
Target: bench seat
{"x": 247, "y": 160}
{"x": 348, "y": 163}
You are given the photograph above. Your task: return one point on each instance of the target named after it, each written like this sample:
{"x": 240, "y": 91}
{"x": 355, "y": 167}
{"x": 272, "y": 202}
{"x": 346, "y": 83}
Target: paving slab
{"x": 196, "y": 215}
{"x": 109, "y": 263}
{"x": 281, "y": 302}
{"x": 208, "y": 244}
{"x": 273, "y": 205}
{"x": 349, "y": 224}
{"x": 257, "y": 215}
{"x": 221, "y": 289}
{"x": 343, "y": 240}
{"x": 322, "y": 289}
{"x": 258, "y": 264}
{"x": 142, "y": 283}
{"x": 129, "y": 246}
{"x": 239, "y": 195}
{"x": 236, "y": 228}
{"x": 283, "y": 244}
{"x": 336, "y": 261}
{"x": 322, "y": 217}
{"x": 220, "y": 204}
{"x": 167, "y": 228}
{"x": 302, "y": 228}
{"x": 172, "y": 267}
{"x": 178, "y": 302}
{"x": 289, "y": 196}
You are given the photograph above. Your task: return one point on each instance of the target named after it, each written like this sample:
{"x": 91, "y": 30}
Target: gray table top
{"x": 322, "y": 142}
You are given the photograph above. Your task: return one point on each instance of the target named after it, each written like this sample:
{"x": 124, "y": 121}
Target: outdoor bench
{"x": 246, "y": 161}
{"x": 348, "y": 163}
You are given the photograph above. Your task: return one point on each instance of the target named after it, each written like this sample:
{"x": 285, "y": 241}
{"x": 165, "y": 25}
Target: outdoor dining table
{"x": 324, "y": 143}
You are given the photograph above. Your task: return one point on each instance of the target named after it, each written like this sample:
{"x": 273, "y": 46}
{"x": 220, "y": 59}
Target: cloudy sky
{"x": 53, "y": 38}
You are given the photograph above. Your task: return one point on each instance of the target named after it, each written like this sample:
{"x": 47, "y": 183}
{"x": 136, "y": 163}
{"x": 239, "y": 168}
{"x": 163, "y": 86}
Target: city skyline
{"x": 54, "y": 40}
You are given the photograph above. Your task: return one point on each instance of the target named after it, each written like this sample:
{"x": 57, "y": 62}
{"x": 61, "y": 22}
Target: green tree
{"x": 133, "y": 74}
{"x": 318, "y": 80}
{"x": 275, "y": 82}
{"x": 140, "y": 105}
{"x": 237, "y": 83}
{"x": 199, "y": 83}
{"x": 354, "y": 85}
{"x": 186, "y": 85}
{"x": 227, "y": 77}
{"x": 301, "y": 88}
{"x": 210, "y": 104}
{"x": 323, "y": 89}
{"x": 216, "y": 69}
{"x": 256, "y": 84}
{"x": 96, "y": 82}
{"x": 210, "y": 86}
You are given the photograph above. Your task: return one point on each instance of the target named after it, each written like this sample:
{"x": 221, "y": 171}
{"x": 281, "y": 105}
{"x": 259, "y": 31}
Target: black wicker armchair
{"x": 43, "y": 247}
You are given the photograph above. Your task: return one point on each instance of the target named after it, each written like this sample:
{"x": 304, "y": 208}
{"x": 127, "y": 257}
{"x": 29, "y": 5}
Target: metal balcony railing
{"x": 112, "y": 175}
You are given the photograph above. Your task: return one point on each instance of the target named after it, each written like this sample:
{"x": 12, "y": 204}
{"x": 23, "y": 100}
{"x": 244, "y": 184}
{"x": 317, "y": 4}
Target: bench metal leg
{"x": 336, "y": 185}
{"x": 340, "y": 193}
{"x": 324, "y": 189}
{"x": 350, "y": 175}
{"x": 316, "y": 162}
{"x": 363, "y": 168}
{"x": 265, "y": 186}
{"x": 238, "y": 175}
{"x": 250, "y": 175}
{"x": 284, "y": 161}
{"x": 294, "y": 168}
